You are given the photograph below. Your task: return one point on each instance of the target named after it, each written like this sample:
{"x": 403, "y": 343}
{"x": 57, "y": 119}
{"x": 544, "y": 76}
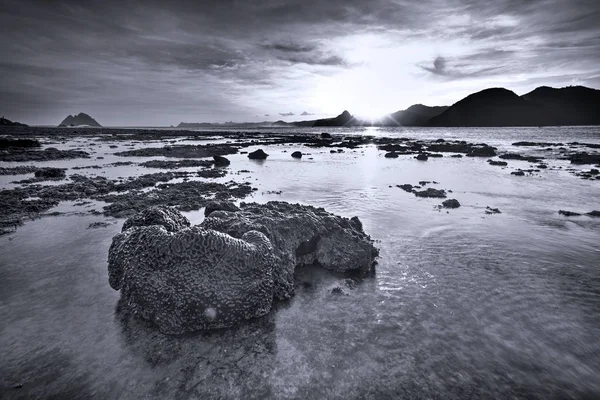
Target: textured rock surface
{"x": 301, "y": 235}
{"x": 232, "y": 266}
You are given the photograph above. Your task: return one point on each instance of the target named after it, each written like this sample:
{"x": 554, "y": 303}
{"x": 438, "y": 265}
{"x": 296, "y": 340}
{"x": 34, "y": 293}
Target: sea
{"x": 461, "y": 304}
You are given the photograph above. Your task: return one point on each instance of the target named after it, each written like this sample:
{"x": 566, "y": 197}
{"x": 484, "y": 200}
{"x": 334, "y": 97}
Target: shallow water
{"x": 461, "y": 305}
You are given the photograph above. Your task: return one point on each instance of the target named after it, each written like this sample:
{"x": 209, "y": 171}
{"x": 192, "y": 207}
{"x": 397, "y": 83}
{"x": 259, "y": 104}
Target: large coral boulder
{"x": 232, "y": 266}
{"x": 194, "y": 278}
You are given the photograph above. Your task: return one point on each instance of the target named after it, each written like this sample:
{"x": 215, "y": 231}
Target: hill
{"x": 576, "y": 105}
{"x": 79, "y": 120}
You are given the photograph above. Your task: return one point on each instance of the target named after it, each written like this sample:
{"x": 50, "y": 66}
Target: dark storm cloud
{"x": 290, "y": 47}
{"x": 457, "y": 70}
{"x": 192, "y": 58}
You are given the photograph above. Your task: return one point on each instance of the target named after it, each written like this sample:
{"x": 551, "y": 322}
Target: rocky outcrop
{"x": 450, "y": 203}
{"x": 232, "y": 266}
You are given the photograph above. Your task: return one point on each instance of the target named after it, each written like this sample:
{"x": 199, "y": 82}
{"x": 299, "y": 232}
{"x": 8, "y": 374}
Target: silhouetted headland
{"x": 7, "y": 122}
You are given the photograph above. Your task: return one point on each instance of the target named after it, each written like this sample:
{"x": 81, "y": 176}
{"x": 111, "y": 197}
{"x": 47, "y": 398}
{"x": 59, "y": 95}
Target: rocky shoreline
{"x": 34, "y": 197}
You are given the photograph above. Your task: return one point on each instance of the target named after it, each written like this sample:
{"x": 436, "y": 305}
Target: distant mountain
{"x": 194, "y": 125}
{"x": 7, "y": 122}
{"x": 576, "y": 105}
{"x": 187, "y": 125}
{"x": 573, "y": 105}
{"x": 344, "y": 119}
{"x": 415, "y": 115}
{"x": 79, "y": 120}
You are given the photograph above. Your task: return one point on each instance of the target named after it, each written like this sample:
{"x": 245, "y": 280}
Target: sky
{"x": 157, "y": 63}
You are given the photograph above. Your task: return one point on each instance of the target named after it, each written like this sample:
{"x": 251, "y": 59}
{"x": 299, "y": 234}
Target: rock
{"x": 486, "y": 151}
{"x": 325, "y": 135}
{"x": 584, "y": 158}
{"x": 258, "y": 155}
{"x": 221, "y": 161}
{"x": 568, "y": 213}
{"x": 391, "y": 154}
{"x": 99, "y": 224}
{"x": 51, "y": 173}
{"x": 450, "y": 203}
{"x": 499, "y": 163}
{"x": 20, "y": 170}
{"x": 490, "y": 210}
{"x": 220, "y": 206}
{"x": 518, "y": 173}
{"x": 516, "y": 156}
{"x": 407, "y": 187}
{"x": 297, "y": 154}
{"x": 232, "y": 266}
{"x": 594, "y": 171}
{"x": 34, "y": 154}
{"x": 456, "y": 156}
{"x": 431, "y": 192}
{"x": 8, "y": 142}
{"x": 593, "y": 213}
{"x": 422, "y": 157}
{"x": 166, "y": 164}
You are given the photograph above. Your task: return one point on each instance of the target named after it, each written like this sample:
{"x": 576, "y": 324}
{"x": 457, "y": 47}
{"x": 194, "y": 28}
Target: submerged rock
{"x": 391, "y": 154}
{"x": 232, "y": 266}
{"x": 258, "y": 155}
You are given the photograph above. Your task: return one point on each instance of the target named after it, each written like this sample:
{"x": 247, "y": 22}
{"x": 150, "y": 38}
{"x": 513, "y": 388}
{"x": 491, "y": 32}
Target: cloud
{"x": 286, "y": 114}
{"x": 161, "y": 62}
{"x": 307, "y": 113}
